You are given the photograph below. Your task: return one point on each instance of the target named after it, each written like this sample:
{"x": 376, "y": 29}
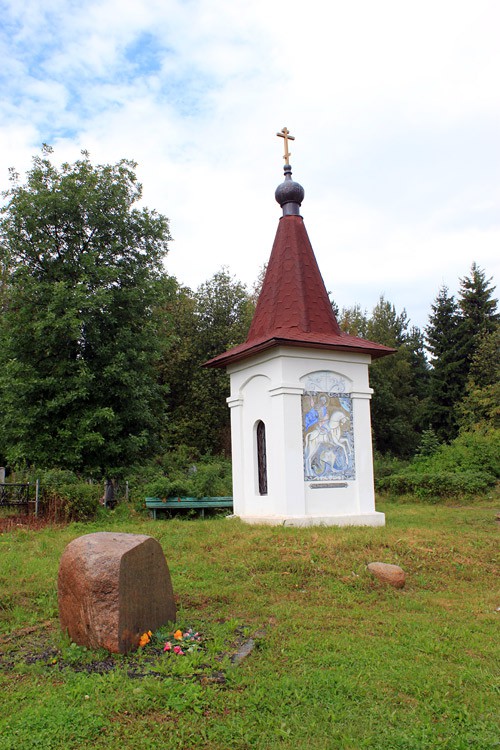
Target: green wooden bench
{"x": 187, "y": 503}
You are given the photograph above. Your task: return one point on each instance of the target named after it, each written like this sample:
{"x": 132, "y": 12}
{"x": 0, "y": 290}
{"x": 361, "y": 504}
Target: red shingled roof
{"x": 293, "y": 307}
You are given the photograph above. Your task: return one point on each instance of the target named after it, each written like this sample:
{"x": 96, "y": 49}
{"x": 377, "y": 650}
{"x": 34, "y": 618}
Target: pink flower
{"x": 178, "y": 650}
{"x": 167, "y": 646}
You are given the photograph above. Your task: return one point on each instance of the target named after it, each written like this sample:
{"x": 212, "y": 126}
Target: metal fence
{"x": 14, "y": 495}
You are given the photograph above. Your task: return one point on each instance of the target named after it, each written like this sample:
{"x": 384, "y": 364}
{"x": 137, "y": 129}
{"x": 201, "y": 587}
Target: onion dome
{"x": 289, "y": 194}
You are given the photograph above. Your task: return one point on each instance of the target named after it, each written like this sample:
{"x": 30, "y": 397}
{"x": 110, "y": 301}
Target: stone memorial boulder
{"x": 391, "y": 574}
{"x": 112, "y": 588}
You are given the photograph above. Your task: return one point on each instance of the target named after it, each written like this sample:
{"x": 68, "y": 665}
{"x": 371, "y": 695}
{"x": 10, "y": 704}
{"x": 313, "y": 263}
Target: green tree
{"x": 415, "y": 345}
{"x": 206, "y": 323}
{"x": 398, "y": 381}
{"x": 478, "y": 313}
{"x": 179, "y": 361}
{"x": 447, "y": 379}
{"x": 454, "y": 335}
{"x": 257, "y": 285}
{"x": 353, "y": 320}
{"x": 223, "y": 312}
{"x": 78, "y": 337}
{"x": 481, "y": 406}
{"x": 429, "y": 443}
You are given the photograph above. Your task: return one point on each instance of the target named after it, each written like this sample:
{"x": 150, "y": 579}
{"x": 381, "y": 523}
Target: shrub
{"x": 385, "y": 465}
{"x": 211, "y": 477}
{"x": 179, "y": 460}
{"x": 470, "y": 451}
{"x": 173, "y": 486}
{"x": 80, "y": 502}
{"x": 437, "y": 484}
{"x": 47, "y": 477}
{"x": 429, "y": 443}
{"x": 64, "y": 496}
{"x": 467, "y": 466}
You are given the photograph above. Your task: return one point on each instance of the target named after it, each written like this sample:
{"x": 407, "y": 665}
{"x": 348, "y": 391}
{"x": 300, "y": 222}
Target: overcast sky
{"x": 394, "y": 104}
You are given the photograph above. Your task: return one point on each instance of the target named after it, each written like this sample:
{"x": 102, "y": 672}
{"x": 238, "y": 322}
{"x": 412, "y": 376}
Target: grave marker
{"x": 112, "y": 588}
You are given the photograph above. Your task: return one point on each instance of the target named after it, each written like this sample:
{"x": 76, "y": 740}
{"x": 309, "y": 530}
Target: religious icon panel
{"x": 327, "y": 425}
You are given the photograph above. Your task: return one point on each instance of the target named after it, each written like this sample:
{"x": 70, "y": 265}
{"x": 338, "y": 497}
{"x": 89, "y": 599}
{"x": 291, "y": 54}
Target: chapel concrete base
{"x": 367, "y": 519}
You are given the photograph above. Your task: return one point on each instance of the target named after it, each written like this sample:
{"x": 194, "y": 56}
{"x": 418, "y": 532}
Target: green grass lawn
{"x": 340, "y": 659}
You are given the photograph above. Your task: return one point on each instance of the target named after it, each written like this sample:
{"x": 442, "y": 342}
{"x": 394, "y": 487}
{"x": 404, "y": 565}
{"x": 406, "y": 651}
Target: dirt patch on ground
{"x": 25, "y": 522}
{"x": 41, "y": 645}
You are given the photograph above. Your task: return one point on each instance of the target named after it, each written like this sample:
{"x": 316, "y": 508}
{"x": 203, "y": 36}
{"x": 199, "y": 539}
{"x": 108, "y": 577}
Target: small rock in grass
{"x": 391, "y": 574}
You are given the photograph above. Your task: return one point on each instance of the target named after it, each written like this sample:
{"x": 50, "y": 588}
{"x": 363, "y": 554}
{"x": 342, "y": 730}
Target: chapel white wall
{"x": 268, "y": 387}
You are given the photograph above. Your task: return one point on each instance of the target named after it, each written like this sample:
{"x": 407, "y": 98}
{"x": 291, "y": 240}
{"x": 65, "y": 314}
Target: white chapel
{"x": 300, "y": 394}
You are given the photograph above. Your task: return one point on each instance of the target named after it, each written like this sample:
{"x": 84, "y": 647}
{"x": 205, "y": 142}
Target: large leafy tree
{"x": 78, "y": 336}
{"x": 179, "y": 361}
{"x": 207, "y": 322}
{"x": 223, "y": 315}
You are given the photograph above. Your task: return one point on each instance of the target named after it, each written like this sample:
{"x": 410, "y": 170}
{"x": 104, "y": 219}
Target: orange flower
{"x": 178, "y": 635}
{"x": 145, "y": 638}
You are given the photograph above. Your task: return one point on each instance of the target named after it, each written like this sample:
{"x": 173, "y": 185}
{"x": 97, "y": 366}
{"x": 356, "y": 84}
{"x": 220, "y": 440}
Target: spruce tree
{"x": 398, "y": 382}
{"x": 447, "y": 379}
{"x": 480, "y": 409}
{"x": 478, "y": 313}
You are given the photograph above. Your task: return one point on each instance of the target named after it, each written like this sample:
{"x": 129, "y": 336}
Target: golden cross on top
{"x": 285, "y": 133}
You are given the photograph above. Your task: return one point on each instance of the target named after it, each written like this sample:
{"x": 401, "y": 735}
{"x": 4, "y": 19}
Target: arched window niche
{"x": 260, "y": 437}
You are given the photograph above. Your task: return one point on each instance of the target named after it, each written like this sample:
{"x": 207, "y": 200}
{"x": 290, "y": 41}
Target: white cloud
{"x": 395, "y": 107}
